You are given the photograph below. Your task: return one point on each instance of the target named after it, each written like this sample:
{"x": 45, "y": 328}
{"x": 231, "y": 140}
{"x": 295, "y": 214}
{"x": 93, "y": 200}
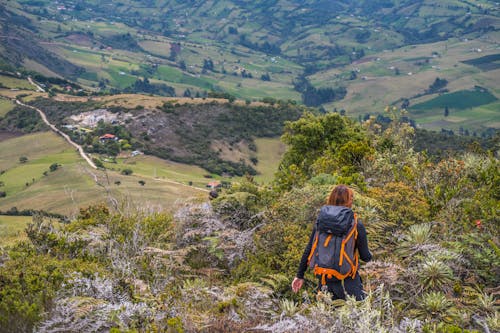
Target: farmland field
{"x": 161, "y": 170}
{"x": 486, "y": 63}
{"x": 460, "y": 100}
{"x": 15, "y": 83}
{"x": 5, "y": 106}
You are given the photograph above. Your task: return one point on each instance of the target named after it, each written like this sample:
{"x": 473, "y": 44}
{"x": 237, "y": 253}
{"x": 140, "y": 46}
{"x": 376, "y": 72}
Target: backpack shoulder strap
{"x": 314, "y": 245}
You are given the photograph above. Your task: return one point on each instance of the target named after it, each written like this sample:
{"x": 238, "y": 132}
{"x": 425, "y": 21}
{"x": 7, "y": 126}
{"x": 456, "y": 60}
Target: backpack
{"x": 333, "y": 251}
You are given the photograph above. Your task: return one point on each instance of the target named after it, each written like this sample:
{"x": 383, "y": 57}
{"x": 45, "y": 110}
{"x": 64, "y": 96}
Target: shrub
{"x": 127, "y": 172}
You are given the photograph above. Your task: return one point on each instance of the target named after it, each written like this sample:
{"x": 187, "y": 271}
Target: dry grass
{"x": 269, "y": 153}
{"x": 12, "y": 229}
{"x": 234, "y": 153}
{"x": 147, "y": 101}
{"x": 12, "y": 94}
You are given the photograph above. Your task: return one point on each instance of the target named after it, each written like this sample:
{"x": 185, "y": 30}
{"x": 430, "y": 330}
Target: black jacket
{"x": 361, "y": 245}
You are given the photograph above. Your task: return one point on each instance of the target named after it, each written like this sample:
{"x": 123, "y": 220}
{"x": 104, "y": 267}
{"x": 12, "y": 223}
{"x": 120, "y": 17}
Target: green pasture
{"x": 255, "y": 89}
{"x": 26, "y": 174}
{"x": 460, "y": 100}
{"x": 486, "y": 63}
{"x": 101, "y": 28}
{"x": 12, "y": 229}
{"x": 162, "y": 170}
{"x": 33, "y": 146}
{"x": 473, "y": 119}
{"x": 120, "y": 80}
{"x": 15, "y": 83}
{"x": 74, "y": 184}
{"x": 5, "y": 106}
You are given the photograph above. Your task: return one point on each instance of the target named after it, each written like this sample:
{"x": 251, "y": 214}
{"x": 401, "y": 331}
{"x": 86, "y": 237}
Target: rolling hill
{"x": 354, "y": 55}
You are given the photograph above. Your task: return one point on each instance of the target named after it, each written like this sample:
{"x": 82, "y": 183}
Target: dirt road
{"x": 61, "y": 133}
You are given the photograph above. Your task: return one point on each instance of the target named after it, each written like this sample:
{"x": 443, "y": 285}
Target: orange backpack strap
{"x": 313, "y": 248}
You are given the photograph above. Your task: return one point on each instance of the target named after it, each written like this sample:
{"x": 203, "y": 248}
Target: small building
{"x": 135, "y": 153}
{"x": 108, "y": 137}
{"x": 214, "y": 184}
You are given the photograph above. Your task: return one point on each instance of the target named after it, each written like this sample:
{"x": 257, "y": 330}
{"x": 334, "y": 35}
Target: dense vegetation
{"x": 22, "y": 120}
{"x": 187, "y": 133}
{"x": 182, "y": 133}
{"x": 227, "y": 266}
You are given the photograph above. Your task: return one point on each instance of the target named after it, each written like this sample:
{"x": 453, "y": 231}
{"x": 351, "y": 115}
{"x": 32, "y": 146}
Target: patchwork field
{"x": 387, "y": 78}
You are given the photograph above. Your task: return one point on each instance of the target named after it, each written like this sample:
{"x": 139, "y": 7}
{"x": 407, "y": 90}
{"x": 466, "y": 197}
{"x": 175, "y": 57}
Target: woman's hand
{"x": 297, "y": 284}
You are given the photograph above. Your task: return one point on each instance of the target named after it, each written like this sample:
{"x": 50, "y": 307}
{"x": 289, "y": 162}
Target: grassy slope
{"x": 12, "y": 229}
{"x": 161, "y": 170}
{"x": 14, "y": 83}
{"x": 269, "y": 153}
{"x": 5, "y": 106}
{"x": 72, "y": 185}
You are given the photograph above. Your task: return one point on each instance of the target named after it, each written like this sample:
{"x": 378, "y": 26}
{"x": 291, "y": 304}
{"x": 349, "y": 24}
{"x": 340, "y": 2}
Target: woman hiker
{"x": 337, "y": 241}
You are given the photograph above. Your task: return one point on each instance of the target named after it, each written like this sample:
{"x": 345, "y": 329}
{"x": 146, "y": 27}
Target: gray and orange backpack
{"x": 333, "y": 253}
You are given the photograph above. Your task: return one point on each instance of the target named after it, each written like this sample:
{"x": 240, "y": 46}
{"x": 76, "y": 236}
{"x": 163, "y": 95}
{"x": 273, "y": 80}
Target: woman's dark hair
{"x": 341, "y": 195}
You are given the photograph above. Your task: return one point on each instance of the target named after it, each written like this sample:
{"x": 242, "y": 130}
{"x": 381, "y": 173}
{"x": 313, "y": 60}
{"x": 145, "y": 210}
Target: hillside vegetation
{"x": 356, "y": 56}
{"x": 216, "y": 136}
{"x": 227, "y": 265}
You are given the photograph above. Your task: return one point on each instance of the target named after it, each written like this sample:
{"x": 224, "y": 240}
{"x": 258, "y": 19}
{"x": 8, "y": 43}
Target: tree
{"x": 23, "y": 159}
{"x": 53, "y": 167}
{"x": 446, "y": 111}
{"x": 320, "y": 144}
{"x": 405, "y": 104}
{"x": 127, "y": 172}
{"x": 208, "y": 64}
{"x": 437, "y": 85}
{"x": 142, "y": 182}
